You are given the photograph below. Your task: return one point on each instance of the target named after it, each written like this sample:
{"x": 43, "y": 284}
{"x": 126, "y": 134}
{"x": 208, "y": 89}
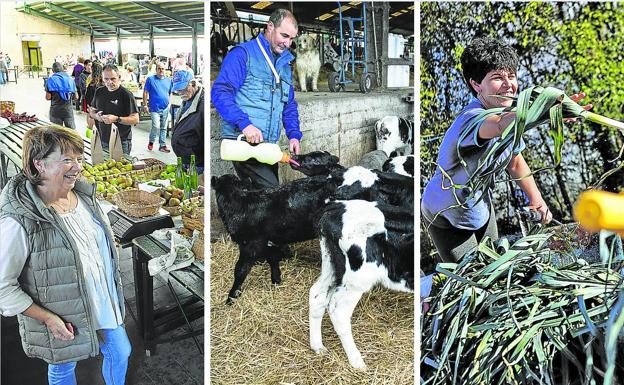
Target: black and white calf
{"x": 403, "y": 165}
{"x": 363, "y": 244}
{"x": 385, "y": 187}
{"x": 316, "y": 163}
{"x": 261, "y": 218}
{"x": 395, "y": 136}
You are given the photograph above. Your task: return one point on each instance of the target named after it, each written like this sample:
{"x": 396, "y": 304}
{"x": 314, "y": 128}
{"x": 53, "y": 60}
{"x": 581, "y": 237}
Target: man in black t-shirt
{"x": 114, "y": 104}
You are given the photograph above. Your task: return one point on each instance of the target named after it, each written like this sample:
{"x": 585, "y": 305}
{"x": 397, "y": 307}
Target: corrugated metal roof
{"x": 131, "y": 17}
{"x": 309, "y": 12}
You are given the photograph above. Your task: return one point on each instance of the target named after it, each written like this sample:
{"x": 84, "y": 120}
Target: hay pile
{"x": 263, "y": 337}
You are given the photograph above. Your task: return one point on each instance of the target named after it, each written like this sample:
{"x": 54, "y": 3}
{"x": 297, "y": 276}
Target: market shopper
{"x": 93, "y": 82}
{"x": 179, "y": 63}
{"x": 254, "y": 101}
{"x": 77, "y": 70}
{"x": 82, "y": 84}
{"x": 188, "y": 133}
{"x": 61, "y": 91}
{"x": 4, "y": 72}
{"x": 113, "y": 104}
{"x": 156, "y": 101}
{"x": 59, "y": 268}
{"x": 142, "y": 73}
{"x": 151, "y": 67}
{"x": 489, "y": 68}
{"x": 132, "y": 62}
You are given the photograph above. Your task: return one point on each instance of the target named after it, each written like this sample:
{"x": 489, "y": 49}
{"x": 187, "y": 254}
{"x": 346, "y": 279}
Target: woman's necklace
{"x": 62, "y": 209}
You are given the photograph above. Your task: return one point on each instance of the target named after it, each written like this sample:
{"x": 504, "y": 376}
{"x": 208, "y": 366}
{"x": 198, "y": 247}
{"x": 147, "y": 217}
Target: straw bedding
{"x": 263, "y": 337}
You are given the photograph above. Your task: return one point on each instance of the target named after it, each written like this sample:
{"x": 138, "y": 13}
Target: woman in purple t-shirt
{"x": 489, "y": 68}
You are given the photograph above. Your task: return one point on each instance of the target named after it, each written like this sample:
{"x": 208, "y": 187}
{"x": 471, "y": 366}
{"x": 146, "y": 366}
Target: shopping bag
{"x": 114, "y": 144}
{"x": 97, "y": 154}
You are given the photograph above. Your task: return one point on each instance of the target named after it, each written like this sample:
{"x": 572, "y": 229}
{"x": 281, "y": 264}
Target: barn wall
{"x": 341, "y": 123}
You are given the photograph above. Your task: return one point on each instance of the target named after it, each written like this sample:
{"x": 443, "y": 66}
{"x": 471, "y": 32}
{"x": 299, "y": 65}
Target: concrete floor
{"x": 177, "y": 363}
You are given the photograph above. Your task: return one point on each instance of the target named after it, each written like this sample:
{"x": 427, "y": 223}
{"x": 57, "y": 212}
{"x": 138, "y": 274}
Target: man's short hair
{"x": 86, "y": 62}
{"x": 57, "y": 67}
{"x": 279, "y": 15}
{"x": 111, "y": 67}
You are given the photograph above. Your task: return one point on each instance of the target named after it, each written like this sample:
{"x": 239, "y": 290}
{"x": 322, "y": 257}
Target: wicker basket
{"x": 195, "y": 221}
{"x": 149, "y": 162}
{"x": 7, "y": 106}
{"x": 138, "y": 203}
{"x": 175, "y": 210}
{"x": 198, "y": 247}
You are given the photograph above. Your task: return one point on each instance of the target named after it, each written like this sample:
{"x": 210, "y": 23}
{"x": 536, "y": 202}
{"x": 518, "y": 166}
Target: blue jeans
{"x": 3, "y": 77}
{"x": 115, "y": 347}
{"x": 159, "y": 120}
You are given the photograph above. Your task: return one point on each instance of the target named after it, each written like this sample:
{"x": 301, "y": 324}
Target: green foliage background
{"x": 574, "y": 46}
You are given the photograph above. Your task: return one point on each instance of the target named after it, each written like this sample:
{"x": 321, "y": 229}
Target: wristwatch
{"x": 118, "y": 119}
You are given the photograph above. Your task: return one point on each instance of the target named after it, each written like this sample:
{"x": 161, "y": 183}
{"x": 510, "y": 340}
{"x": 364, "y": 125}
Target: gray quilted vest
{"x": 52, "y": 275}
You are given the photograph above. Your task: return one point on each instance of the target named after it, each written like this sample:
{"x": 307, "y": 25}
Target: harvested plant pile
{"x": 508, "y": 315}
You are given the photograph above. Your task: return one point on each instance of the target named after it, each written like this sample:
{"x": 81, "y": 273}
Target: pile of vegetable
{"x": 512, "y": 314}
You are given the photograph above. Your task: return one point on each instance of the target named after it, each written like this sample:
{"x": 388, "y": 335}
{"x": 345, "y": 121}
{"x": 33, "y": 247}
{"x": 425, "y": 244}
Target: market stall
{"x": 163, "y": 225}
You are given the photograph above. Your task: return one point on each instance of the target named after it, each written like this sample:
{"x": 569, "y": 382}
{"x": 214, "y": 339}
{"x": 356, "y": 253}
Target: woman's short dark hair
{"x": 485, "y": 54}
{"x": 40, "y": 142}
{"x": 96, "y": 73}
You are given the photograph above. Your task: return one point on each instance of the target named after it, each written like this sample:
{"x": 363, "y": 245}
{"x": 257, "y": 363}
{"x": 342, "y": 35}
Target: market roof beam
{"x": 135, "y": 35}
{"x": 171, "y": 15}
{"x": 28, "y": 10}
{"x": 82, "y": 17}
{"x": 118, "y": 15}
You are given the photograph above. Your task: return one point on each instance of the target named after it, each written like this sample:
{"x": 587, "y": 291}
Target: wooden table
{"x": 28, "y": 68}
{"x": 153, "y": 322}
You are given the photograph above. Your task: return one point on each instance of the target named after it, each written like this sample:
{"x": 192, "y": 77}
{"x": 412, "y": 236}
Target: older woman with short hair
{"x": 59, "y": 270}
{"x": 188, "y": 133}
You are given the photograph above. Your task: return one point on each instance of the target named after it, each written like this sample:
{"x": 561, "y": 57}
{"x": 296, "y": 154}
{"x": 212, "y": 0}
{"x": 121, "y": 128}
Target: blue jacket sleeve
{"x": 290, "y": 117}
{"x": 227, "y": 84}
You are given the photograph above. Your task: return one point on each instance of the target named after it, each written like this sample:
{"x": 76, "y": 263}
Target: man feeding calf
{"x": 261, "y": 215}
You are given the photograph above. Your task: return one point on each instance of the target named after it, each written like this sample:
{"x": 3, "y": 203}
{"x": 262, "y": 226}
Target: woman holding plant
{"x": 458, "y": 217}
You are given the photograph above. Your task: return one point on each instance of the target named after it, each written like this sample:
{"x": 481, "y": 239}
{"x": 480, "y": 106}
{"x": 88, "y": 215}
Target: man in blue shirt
{"x": 254, "y": 94}
{"x": 158, "y": 87}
